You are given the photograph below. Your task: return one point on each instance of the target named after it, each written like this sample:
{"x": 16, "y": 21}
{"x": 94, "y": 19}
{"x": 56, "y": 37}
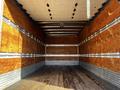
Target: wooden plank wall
{"x": 72, "y": 39}
{"x": 62, "y": 40}
{"x": 13, "y": 41}
{"x": 106, "y": 42}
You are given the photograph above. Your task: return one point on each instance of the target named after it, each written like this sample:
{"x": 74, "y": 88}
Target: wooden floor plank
{"x": 64, "y": 77}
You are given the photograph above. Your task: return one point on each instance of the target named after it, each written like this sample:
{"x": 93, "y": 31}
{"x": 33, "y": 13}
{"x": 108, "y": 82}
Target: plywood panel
{"x": 12, "y": 11}
{"x": 16, "y": 63}
{"x": 9, "y": 39}
{"x": 61, "y": 50}
{"x": 72, "y": 39}
{"x": 15, "y": 41}
{"x": 106, "y": 42}
{"x": 109, "y": 13}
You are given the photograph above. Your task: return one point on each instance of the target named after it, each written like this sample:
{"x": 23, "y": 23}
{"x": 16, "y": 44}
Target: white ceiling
{"x": 61, "y": 10}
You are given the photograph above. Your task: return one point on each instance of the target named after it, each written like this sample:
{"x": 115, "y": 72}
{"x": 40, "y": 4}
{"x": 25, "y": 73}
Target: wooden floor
{"x": 57, "y": 78}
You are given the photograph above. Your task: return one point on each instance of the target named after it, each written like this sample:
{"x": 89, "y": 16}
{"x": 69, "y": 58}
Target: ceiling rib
{"x": 62, "y": 27}
{"x": 49, "y": 22}
{"x": 61, "y": 34}
{"x": 65, "y": 30}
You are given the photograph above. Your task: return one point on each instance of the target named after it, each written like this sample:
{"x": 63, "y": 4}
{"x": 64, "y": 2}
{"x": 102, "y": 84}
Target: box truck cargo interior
{"x": 59, "y": 44}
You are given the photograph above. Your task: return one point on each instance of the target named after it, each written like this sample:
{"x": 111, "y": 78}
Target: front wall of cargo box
{"x": 64, "y": 46}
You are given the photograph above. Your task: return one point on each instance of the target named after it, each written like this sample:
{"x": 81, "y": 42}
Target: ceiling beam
{"x": 62, "y": 32}
{"x": 48, "y": 22}
{"x": 63, "y": 27}
{"x": 65, "y": 30}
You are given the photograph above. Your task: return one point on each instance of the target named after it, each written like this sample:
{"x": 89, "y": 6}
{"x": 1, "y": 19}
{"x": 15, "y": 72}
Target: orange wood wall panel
{"x": 7, "y": 65}
{"x": 12, "y": 11}
{"x": 109, "y": 13}
{"x": 106, "y": 42}
{"x": 108, "y": 63}
{"x": 61, "y": 50}
{"x": 7, "y": 13}
{"x": 10, "y": 39}
{"x": 15, "y": 41}
{"x": 72, "y": 39}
